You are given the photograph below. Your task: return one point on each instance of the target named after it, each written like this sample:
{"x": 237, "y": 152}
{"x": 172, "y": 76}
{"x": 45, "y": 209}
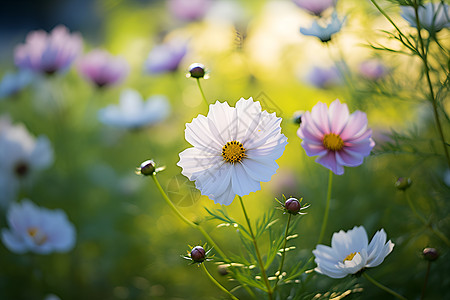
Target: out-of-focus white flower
{"x": 37, "y": 229}
{"x": 234, "y": 149}
{"x": 132, "y": 112}
{"x": 188, "y": 10}
{"x": 165, "y": 57}
{"x": 48, "y": 53}
{"x": 102, "y": 68}
{"x": 12, "y": 83}
{"x": 21, "y": 156}
{"x": 432, "y": 16}
{"x": 315, "y": 7}
{"x": 350, "y": 252}
{"x": 52, "y": 297}
{"x": 324, "y": 31}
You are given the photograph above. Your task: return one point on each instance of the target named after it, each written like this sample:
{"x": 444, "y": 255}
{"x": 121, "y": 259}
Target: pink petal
{"x": 329, "y": 161}
{"x": 338, "y": 115}
{"x": 357, "y": 123}
{"x": 319, "y": 114}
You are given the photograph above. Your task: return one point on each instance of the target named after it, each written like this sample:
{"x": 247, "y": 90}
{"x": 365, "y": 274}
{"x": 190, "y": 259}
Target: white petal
{"x": 13, "y": 242}
{"x": 198, "y": 134}
{"x": 223, "y": 123}
{"x": 241, "y": 182}
{"x": 193, "y": 160}
{"x": 348, "y": 242}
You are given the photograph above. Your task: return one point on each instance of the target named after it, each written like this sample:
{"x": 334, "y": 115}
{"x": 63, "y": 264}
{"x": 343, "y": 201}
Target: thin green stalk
{"x": 201, "y": 91}
{"x": 384, "y": 288}
{"x": 425, "y": 281}
{"x": 283, "y": 254}
{"x": 425, "y": 222}
{"x": 423, "y": 55}
{"x": 260, "y": 262}
{"x": 217, "y": 283}
{"x": 327, "y": 207}
{"x": 187, "y": 221}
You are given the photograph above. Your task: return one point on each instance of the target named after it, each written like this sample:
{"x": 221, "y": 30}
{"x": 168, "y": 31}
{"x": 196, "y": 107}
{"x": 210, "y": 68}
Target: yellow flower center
{"x": 38, "y": 237}
{"x": 350, "y": 256}
{"x": 333, "y": 142}
{"x": 233, "y": 152}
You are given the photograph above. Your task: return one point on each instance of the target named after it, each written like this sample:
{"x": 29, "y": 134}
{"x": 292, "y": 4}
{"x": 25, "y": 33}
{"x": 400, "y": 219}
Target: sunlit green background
{"x": 129, "y": 242}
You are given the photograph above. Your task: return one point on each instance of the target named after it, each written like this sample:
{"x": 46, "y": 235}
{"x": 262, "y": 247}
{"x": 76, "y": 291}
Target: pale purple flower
{"x": 432, "y": 16}
{"x": 324, "y": 77}
{"x": 351, "y": 252}
{"x": 315, "y": 7}
{"x": 373, "y": 69}
{"x": 133, "y": 112}
{"x": 13, "y": 83}
{"x": 21, "y": 156}
{"x": 166, "y": 57}
{"x": 188, "y": 10}
{"x": 48, "y": 53}
{"x": 37, "y": 229}
{"x": 338, "y": 138}
{"x": 234, "y": 150}
{"x": 324, "y": 30}
{"x": 102, "y": 68}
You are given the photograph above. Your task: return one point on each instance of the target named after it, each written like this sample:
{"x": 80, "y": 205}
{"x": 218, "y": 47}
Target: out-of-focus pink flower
{"x": 324, "y": 77}
{"x": 37, "y": 229}
{"x": 188, "y": 10}
{"x": 165, "y": 57}
{"x": 48, "y": 53}
{"x": 373, "y": 69}
{"x": 102, "y": 68}
{"x": 338, "y": 138}
{"x": 315, "y": 7}
{"x": 432, "y": 16}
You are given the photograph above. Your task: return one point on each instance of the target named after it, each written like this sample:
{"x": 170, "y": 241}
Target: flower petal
{"x": 338, "y": 114}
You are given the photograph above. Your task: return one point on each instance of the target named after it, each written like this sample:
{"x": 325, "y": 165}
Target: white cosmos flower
{"x": 235, "y": 148}
{"x": 133, "y": 112}
{"x": 350, "y": 252}
{"x": 324, "y": 31}
{"x": 432, "y": 16}
{"x": 37, "y": 229}
{"x": 21, "y": 156}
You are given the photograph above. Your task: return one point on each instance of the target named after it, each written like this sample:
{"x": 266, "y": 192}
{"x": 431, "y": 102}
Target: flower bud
{"x": 147, "y": 168}
{"x": 197, "y": 70}
{"x": 403, "y": 183}
{"x": 198, "y": 254}
{"x": 297, "y": 118}
{"x": 430, "y": 254}
{"x": 292, "y": 206}
{"x": 222, "y": 270}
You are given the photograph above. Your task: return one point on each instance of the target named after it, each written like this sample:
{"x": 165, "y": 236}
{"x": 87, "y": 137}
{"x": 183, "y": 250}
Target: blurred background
{"x": 129, "y": 243}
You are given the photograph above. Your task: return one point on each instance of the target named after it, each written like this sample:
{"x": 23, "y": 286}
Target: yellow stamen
{"x": 350, "y": 256}
{"x": 333, "y": 142}
{"x": 233, "y": 152}
{"x": 38, "y": 237}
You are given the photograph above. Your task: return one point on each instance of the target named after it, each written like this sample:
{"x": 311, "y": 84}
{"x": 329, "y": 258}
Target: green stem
{"x": 384, "y": 288}
{"x": 327, "y": 207}
{"x": 261, "y": 264}
{"x": 201, "y": 91}
{"x": 423, "y": 56}
{"x": 217, "y": 283}
{"x": 187, "y": 221}
{"x": 425, "y": 222}
{"x": 426, "y": 280}
{"x": 283, "y": 254}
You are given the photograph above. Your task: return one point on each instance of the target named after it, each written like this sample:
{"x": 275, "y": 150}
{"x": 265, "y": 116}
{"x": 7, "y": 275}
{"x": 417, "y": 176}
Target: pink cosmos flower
{"x": 188, "y": 10}
{"x": 338, "y": 138}
{"x": 102, "y": 68}
{"x": 373, "y": 69}
{"x": 315, "y": 7}
{"x": 166, "y": 57}
{"x": 48, "y": 53}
